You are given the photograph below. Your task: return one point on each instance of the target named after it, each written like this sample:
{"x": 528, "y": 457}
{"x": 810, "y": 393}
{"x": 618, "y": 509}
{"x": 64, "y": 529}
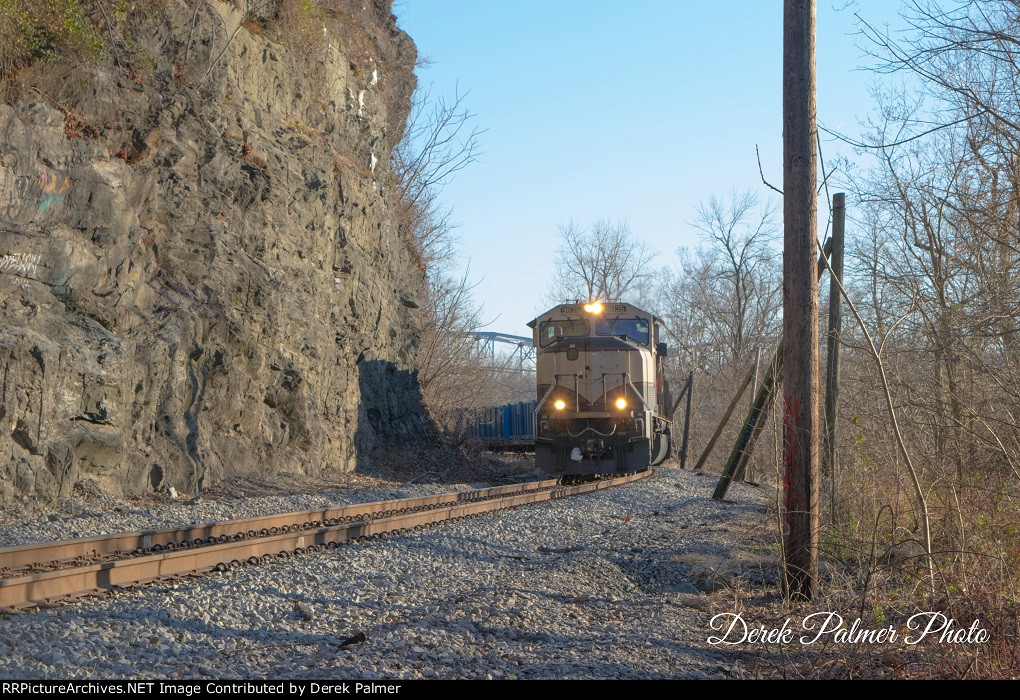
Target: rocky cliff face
{"x": 201, "y": 271}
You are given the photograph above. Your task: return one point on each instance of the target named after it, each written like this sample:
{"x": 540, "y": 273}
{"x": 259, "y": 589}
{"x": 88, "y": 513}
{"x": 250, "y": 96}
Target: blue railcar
{"x": 506, "y": 426}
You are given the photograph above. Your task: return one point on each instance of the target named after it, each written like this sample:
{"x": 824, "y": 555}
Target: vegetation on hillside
{"x": 39, "y": 29}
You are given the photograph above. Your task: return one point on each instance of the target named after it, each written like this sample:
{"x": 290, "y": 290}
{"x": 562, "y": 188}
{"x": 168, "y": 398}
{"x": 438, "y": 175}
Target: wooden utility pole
{"x": 748, "y": 474}
{"x": 832, "y": 344}
{"x": 687, "y": 421}
{"x": 800, "y": 300}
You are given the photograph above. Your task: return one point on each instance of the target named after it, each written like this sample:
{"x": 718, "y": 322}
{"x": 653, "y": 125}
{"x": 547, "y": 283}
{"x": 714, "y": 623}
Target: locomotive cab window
{"x": 550, "y": 331}
{"x": 635, "y": 329}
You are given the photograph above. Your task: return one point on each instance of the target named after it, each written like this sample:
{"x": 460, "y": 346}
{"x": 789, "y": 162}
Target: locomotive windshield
{"x": 635, "y": 329}
{"x": 550, "y": 331}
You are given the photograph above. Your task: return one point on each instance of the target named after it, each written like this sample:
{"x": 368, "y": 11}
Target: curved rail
{"x": 39, "y": 555}
{"x": 306, "y": 531}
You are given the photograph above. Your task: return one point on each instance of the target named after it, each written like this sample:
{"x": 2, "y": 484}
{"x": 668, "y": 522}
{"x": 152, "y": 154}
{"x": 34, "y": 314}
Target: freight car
{"x": 509, "y": 426}
{"x": 603, "y": 398}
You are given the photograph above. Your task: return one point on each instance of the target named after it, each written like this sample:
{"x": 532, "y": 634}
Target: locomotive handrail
{"x": 556, "y": 383}
{"x": 577, "y": 405}
{"x": 641, "y": 396}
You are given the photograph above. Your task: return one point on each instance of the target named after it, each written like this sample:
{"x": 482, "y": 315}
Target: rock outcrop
{"x": 201, "y": 270}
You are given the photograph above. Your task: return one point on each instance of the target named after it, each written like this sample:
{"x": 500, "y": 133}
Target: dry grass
{"x": 872, "y": 567}
{"x": 872, "y": 563}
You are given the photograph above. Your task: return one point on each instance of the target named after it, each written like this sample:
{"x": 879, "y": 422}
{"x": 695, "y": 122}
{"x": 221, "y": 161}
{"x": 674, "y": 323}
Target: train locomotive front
{"x": 603, "y": 400}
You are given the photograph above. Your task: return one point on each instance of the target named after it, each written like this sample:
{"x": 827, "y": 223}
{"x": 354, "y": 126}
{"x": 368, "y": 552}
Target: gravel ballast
{"x": 616, "y": 584}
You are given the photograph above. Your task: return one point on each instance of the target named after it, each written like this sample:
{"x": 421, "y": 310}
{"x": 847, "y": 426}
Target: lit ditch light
{"x": 621, "y": 404}
{"x": 560, "y": 404}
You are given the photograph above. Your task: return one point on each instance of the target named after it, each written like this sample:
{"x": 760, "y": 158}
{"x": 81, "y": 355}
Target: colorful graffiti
{"x": 28, "y": 198}
{"x": 53, "y": 189}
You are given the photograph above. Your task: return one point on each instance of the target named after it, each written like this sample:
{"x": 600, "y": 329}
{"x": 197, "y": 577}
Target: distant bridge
{"x": 522, "y": 347}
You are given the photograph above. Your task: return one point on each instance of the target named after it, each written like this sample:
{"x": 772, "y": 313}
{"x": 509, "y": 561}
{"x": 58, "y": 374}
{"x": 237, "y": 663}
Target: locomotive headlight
{"x": 621, "y": 404}
{"x": 560, "y": 404}
{"x": 593, "y": 308}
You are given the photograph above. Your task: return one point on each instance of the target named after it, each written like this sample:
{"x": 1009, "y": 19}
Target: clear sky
{"x": 620, "y": 110}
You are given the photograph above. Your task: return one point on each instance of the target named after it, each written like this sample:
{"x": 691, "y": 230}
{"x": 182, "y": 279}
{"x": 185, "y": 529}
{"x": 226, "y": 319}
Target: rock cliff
{"x": 201, "y": 270}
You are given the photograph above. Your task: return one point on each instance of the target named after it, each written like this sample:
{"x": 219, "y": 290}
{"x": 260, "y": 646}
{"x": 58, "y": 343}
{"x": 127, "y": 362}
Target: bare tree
{"x": 448, "y": 356}
{"x": 606, "y": 261}
{"x": 454, "y": 373}
{"x": 744, "y": 277}
{"x": 723, "y": 300}
{"x": 439, "y": 142}
{"x": 720, "y": 303}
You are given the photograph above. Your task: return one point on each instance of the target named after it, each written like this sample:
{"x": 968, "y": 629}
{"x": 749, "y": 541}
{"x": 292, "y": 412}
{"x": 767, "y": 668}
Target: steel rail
{"x": 39, "y": 588}
{"x": 36, "y": 554}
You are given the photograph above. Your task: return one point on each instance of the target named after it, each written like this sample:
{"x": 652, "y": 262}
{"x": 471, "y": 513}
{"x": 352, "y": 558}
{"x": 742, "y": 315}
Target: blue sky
{"x": 620, "y": 110}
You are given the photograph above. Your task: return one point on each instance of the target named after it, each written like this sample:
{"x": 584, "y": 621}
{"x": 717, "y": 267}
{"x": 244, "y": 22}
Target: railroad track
{"x": 38, "y": 574}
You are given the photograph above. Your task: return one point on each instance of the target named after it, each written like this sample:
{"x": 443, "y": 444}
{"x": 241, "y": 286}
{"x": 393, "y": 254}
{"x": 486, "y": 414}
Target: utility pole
{"x": 832, "y": 343}
{"x": 800, "y": 300}
{"x": 687, "y": 421}
{"x": 748, "y": 474}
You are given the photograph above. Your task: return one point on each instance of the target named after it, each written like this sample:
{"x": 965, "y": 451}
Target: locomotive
{"x": 604, "y": 405}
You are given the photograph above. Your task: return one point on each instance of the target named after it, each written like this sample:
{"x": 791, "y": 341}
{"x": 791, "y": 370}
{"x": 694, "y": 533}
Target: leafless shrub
{"x": 41, "y": 29}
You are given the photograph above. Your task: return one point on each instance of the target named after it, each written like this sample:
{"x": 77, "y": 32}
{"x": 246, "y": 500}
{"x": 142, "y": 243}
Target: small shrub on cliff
{"x": 309, "y": 27}
{"x": 303, "y": 22}
{"x": 38, "y": 29}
